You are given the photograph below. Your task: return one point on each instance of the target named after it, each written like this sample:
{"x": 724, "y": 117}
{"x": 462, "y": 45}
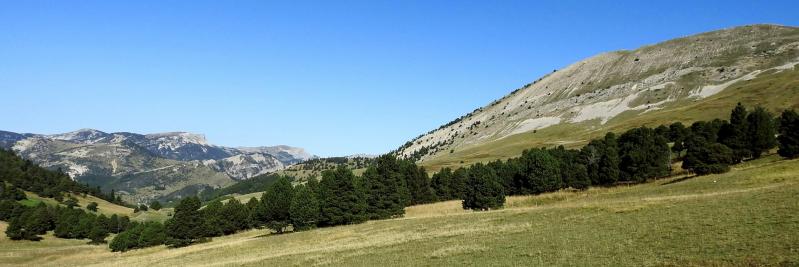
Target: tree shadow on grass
{"x": 680, "y": 179}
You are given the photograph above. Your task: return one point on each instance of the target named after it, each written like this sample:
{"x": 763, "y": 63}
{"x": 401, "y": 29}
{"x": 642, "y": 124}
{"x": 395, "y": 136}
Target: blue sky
{"x": 335, "y": 77}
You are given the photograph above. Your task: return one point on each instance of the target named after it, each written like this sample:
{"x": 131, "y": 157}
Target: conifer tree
{"x": 418, "y": 183}
{"x": 733, "y": 135}
{"x": 440, "y": 184}
{"x": 540, "y": 172}
{"x": 706, "y": 158}
{"x": 155, "y": 205}
{"x": 761, "y": 131}
{"x": 643, "y": 155}
{"x": 186, "y": 225}
{"x": 483, "y": 189}
{"x": 277, "y": 202}
{"x": 92, "y": 206}
{"x": 384, "y": 193}
{"x": 304, "y": 210}
{"x": 789, "y": 134}
{"x": 214, "y": 223}
{"x": 341, "y": 202}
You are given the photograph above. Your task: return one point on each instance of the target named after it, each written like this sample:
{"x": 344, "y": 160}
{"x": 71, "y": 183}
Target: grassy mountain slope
{"x": 748, "y": 216}
{"x": 698, "y": 77}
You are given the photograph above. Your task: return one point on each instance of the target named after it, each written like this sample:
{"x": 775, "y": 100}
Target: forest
{"x": 389, "y": 184}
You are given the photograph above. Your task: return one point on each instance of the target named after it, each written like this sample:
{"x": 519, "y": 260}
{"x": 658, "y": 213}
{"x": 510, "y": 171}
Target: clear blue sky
{"x": 335, "y": 77}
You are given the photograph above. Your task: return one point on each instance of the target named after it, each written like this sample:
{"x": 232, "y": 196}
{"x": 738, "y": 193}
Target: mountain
{"x": 698, "y": 77}
{"x": 142, "y": 167}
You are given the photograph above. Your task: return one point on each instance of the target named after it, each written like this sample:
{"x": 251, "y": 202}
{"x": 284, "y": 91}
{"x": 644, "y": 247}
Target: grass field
{"x": 103, "y": 207}
{"x": 749, "y": 216}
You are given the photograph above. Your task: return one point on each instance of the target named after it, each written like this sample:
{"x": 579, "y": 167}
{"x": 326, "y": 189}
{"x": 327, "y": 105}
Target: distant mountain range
{"x": 142, "y": 167}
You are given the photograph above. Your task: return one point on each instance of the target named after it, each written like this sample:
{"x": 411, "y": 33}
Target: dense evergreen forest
{"x": 390, "y": 184}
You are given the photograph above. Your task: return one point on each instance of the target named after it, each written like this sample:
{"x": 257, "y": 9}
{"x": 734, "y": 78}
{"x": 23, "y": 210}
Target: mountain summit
{"x": 149, "y": 166}
{"x": 686, "y": 79}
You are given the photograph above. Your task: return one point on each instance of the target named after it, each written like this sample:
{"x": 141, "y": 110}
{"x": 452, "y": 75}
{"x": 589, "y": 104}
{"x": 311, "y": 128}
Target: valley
{"x": 746, "y": 216}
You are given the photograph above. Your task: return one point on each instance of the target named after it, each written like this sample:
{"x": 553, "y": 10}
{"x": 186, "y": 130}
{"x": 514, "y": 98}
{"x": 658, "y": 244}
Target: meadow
{"x": 748, "y": 216}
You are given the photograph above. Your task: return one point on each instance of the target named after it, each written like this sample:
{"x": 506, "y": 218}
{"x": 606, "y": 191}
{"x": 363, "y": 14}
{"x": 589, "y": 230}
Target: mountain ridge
{"x": 149, "y": 166}
{"x": 595, "y": 94}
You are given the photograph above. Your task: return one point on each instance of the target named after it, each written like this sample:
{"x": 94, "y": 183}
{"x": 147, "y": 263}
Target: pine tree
{"x": 601, "y": 160}
{"x": 214, "y": 223}
{"x": 384, "y": 197}
{"x": 418, "y": 183}
{"x": 706, "y": 158}
{"x": 277, "y": 202}
{"x": 151, "y": 234}
{"x": 761, "y": 131}
{"x": 733, "y": 135}
{"x": 155, "y": 205}
{"x": 304, "y": 210}
{"x": 92, "y": 206}
{"x": 540, "y": 172}
{"x": 341, "y": 202}
{"x": 457, "y": 185}
{"x": 237, "y": 216}
{"x": 643, "y": 155}
{"x": 186, "y": 225}
{"x": 677, "y": 134}
{"x": 440, "y": 184}
{"x": 97, "y": 234}
{"x": 789, "y": 134}
{"x": 483, "y": 189}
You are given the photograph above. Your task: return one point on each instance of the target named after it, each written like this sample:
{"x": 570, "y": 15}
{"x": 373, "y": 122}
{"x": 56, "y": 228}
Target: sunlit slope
{"x": 776, "y": 90}
{"x": 698, "y": 77}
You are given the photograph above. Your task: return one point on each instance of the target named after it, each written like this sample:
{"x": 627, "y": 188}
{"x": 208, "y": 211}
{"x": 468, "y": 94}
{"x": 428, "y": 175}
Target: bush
{"x": 92, "y": 206}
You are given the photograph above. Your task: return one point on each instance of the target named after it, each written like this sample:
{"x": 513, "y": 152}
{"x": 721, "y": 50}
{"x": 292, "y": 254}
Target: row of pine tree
{"x": 389, "y": 184}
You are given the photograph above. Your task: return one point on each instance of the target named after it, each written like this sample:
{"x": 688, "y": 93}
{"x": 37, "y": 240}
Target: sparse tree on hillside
{"x": 155, "y": 205}
{"x": 92, "y": 206}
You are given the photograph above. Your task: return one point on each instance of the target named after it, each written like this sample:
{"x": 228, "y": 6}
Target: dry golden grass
{"x": 746, "y": 217}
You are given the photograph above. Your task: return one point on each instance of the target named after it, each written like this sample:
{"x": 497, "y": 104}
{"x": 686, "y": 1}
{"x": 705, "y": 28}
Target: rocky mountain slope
{"x": 152, "y": 166}
{"x": 685, "y": 79}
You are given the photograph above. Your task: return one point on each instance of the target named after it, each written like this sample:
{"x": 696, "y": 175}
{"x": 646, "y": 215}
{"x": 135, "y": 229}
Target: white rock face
{"x": 600, "y": 88}
{"x": 89, "y": 151}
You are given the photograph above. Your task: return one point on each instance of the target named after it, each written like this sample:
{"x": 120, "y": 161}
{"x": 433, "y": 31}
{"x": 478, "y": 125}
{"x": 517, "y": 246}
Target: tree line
{"x": 28, "y": 223}
{"x": 634, "y": 156}
{"x": 339, "y": 197}
{"x": 388, "y": 184}
{"x": 18, "y": 174}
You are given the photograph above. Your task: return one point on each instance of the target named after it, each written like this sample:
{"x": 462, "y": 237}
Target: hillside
{"x": 699, "y": 77}
{"x": 314, "y": 167}
{"x": 745, "y": 217}
{"x": 140, "y": 168}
